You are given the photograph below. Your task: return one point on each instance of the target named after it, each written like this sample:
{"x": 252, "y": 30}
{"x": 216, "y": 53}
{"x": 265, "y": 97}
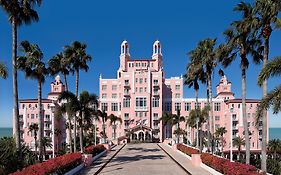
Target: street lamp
{"x": 53, "y": 127}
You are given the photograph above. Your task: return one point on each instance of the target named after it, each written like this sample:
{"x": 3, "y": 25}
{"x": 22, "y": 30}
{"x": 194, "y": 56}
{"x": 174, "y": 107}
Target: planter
{"x": 196, "y": 159}
{"x": 174, "y": 147}
{"x": 211, "y": 170}
{"x": 87, "y": 159}
{"x": 75, "y": 170}
{"x": 99, "y": 155}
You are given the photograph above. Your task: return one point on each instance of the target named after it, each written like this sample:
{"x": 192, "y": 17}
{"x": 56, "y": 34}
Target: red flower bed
{"x": 187, "y": 150}
{"x": 94, "y": 149}
{"x": 226, "y": 167}
{"x": 59, "y": 164}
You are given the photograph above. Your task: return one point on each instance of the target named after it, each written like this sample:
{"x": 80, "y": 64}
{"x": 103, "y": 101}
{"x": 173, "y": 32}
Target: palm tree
{"x": 272, "y": 69}
{"x": 220, "y": 132}
{"x": 60, "y": 64}
{"x": 274, "y": 146}
{"x": 34, "y": 128}
{"x": 104, "y": 117}
{"x": 113, "y": 119}
{"x": 179, "y": 132}
{"x": 267, "y": 16}
{"x": 18, "y": 13}
{"x": 238, "y": 142}
{"x": 3, "y": 70}
{"x": 177, "y": 118}
{"x": 196, "y": 119}
{"x": 78, "y": 58}
{"x": 241, "y": 39}
{"x": 167, "y": 120}
{"x": 57, "y": 134}
{"x": 34, "y": 68}
{"x": 46, "y": 142}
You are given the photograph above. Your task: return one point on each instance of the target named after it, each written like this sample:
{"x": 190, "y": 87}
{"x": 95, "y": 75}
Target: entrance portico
{"x": 140, "y": 133}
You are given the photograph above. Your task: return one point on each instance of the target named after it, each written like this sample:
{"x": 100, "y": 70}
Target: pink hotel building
{"x": 140, "y": 95}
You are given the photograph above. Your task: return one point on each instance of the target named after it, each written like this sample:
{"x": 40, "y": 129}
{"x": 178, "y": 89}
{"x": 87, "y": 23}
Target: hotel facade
{"x": 141, "y": 94}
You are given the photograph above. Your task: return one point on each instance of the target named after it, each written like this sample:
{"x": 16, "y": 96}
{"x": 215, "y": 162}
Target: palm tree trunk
{"x": 81, "y": 133}
{"x": 197, "y": 124}
{"x": 35, "y": 138}
{"x": 15, "y": 89}
{"x": 40, "y": 120}
{"x": 65, "y": 81}
{"x": 70, "y": 135}
{"x": 212, "y": 130}
{"x": 245, "y": 123}
{"x": 75, "y": 117}
{"x": 209, "y": 118}
{"x": 264, "y": 117}
{"x": 114, "y": 131}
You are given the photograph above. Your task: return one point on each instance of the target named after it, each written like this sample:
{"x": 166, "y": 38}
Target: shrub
{"x": 187, "y": 150}
{"x": 58, "y": 165}
{"x": 94, "y": 149}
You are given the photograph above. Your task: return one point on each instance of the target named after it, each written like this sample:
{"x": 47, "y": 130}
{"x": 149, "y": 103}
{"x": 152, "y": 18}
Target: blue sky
{"x": 103, "y": 25}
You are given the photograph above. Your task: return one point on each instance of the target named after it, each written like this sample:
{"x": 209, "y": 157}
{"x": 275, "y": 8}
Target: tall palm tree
{"x": 167, "y": 120}
{"x": 241, "y": 39}
{"x": 57, "y": 134}
{"x": 19, "y": 12}
{"x": 274, "y": 146}
{"x": 220, "y": 132}
{"x": 273, "y": 98}
{"x": 177, "y": 118}
{"x": 179, "y": 132}
{"x": 239, "y": 142}
{"x": 78, "y": 58}
{"x": 3, "y": 70}
{"x": 34, "y": 68}
{"x": 104, "y": 117}
{"x": 113, "y": 119}
{"x": 46, "y": 142}
{"x": 194, "y": 74}
{"x": 267, "y": 16}
{"x": 33, "y": 128}
{"x": 60, "y": 64}
{"x": 197, "y": 117}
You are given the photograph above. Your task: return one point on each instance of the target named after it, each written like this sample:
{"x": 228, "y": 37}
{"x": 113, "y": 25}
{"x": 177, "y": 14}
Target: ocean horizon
{"x": 274, "y": 133}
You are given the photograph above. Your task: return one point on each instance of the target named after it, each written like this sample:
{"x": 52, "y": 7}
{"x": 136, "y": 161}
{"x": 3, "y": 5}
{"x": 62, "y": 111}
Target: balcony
{"x": 126, "y": 118}
{"x": 126, "y": 85}
{"x": 155, "y": 118}
{"x": 126, "y": 94}
{"x": 141, "y": 108}
{"x": 234, "y": 118}
{"x": 234, "y": 127}
{"x": 156, "y": 94}
{"x": 155, "y": 127}
{"x": 47, "y": 120}
{"x": 156, "y": 85}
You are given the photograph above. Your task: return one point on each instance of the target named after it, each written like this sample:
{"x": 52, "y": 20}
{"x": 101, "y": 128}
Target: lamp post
{"x": 53, "y": 127}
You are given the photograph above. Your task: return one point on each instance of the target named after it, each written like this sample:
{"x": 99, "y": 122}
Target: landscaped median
{"x": 219, "y": 164}
{"x": 62, "y": 164}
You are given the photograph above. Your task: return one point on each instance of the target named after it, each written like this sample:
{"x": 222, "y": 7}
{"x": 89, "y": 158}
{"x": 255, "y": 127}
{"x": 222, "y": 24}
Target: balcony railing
{"x": 155, "y": 127}
{"x": 141, "y": 108}
{"x": 155, "y": 118}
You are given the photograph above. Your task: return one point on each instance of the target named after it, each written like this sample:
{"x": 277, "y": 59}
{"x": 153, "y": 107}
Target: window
{"x": 32, "y": 116}
{"x": 151, "y": 64}
{"x": 249, "y": 115}
{"x": 198, "y": 105}
{"x": 141, "y": 103}
{"x": 114, "y": 87}
{"x": 47, "y": 117}
{"x": 126, "y": 116}
{"x": 145, "y": 80}
{"x": 114, "y": 96}
{"x": 136, "y": 80}
{"x": 177, "y": 95}
{"x": 126, "y": 82}
{"x": 114, "y": 106}
{"x": 217, "y": 126}
{"x": 167, "y": 106}
{"x": 141, "y": 80}
{"x": 126, "y": 102}
{"x": 126, "y": 91}
{"x": 141, "y": 90}
{"x": 217, "y": 118}
{"x": 29, "y": 106}
{"x": 178, "y": 87}
{"x": 155, "y": 82}
{"x": 155, "y": 116}
{"x": 104, "y": 106}
{"x": 177, "y": 106}
{"x": 103, "y": 96}
{"x": 23, "y": 106}
{"x": 239, "y": 106}
{"x": 36, "y": 115}
{"x": 136, "y": 89}
{"x": 187, "y": 106}
{"x": 155, "y": 102}
{"x": 145, "y": 89}
{"x": 249, "y": 124}
{"x": 142, "y": 64}
{"x": 217, "y": 107}
{"x": 103, "y": 87}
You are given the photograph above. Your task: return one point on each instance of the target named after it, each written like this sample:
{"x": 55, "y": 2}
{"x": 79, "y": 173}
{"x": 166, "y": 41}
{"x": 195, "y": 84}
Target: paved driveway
{"x": 142, "y": 159}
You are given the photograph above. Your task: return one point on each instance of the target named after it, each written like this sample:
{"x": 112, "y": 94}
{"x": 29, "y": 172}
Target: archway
{"x": 147, "y": 136}
{"x": 141, "y": 136}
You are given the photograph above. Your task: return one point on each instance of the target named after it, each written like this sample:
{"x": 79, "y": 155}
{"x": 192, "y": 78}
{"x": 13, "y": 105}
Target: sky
{"x": 103, "y": 25}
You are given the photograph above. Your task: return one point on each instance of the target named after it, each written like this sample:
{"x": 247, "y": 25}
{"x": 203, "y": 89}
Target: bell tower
{"x": 157, "y": 54}
{"x": 124, "y": 56}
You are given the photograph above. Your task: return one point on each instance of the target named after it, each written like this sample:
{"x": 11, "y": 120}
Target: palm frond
{"x": 272, "y": 69}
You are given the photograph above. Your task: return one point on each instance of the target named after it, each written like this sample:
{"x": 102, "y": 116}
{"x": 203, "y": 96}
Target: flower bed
{"x": 187, "y": 150}
{"x": 94, "y": 149}
{"x": 58, "y": 165}
{"x": 226, "y": 167}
